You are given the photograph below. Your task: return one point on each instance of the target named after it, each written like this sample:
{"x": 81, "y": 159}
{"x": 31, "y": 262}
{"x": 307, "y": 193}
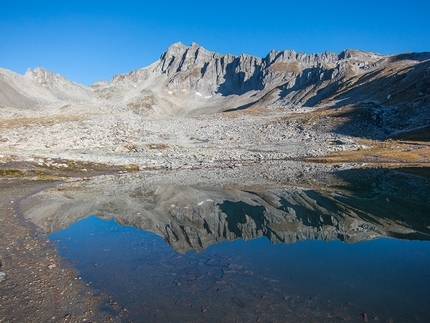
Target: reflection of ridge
{"x": 239, "y": 215}
{"x": 361, "y": 205}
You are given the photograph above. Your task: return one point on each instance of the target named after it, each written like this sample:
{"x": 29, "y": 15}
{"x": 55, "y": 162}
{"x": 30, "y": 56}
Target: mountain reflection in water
{"x": 203, "y": 277}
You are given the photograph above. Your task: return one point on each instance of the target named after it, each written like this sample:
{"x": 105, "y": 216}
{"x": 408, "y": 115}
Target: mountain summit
{"x": 190, "y": 80}
{"x": 216, "y": 82}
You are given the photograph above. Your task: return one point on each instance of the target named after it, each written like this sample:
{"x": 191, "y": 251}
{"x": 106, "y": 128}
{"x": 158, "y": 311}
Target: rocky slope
{"x": 40, "y": 89}
{"x": 169, "y": 113}
{"x": 192, "y": 80}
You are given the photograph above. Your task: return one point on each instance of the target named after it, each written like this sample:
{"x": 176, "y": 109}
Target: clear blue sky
{"x": 87, "y": 41}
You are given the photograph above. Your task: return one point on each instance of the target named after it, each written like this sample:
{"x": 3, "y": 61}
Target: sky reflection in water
{"x": 255, "y": 280}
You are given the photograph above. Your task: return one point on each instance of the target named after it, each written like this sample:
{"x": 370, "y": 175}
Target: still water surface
{"x": 200, "y": 254}
{"x": 248, "y": 281}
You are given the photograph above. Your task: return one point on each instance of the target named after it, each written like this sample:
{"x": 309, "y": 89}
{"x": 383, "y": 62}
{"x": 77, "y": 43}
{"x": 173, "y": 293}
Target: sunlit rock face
{"x": 192, "y": 210}
{"x": 195, "y": 108}
{"x": 190, "y": 80}
{"x": 195, "y": 80}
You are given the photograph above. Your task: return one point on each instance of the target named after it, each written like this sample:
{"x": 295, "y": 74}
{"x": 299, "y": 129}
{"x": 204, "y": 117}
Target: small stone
{"x": 286, "y": 298}
{"x": 2, "y": 276}
{"x": 52, "y": 266}
{"x": 365, "y": 317}
{"x": 204, "y": 310}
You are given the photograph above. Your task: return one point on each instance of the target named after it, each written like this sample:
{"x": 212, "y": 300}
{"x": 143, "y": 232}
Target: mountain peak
{"x": 175, "y": 49}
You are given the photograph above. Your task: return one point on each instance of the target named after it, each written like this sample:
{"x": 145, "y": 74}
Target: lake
{"x": 285, "y": 243}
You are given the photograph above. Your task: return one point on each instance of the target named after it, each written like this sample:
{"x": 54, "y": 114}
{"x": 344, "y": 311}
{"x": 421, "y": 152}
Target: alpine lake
{"x": 282, "y": 242}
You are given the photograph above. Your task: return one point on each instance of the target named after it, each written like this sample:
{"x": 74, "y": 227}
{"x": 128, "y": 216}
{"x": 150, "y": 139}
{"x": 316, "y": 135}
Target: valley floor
{"x": 125, "y": 139}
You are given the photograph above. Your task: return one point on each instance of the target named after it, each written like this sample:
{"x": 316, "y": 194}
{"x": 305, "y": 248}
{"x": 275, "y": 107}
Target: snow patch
{"x": 198, "y": 93}
{"x": 208, "y": 96}
{"x": 201, "y": 203}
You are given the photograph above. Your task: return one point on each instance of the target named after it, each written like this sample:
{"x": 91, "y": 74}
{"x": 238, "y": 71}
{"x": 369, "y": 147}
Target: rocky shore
{"x": 36, "y": 285}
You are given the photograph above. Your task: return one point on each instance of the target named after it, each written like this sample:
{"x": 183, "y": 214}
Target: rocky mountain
{"x": 40, "y": 89}
{"x": 291, "y": 105}
{"x": 393, "y": 91}
{"x": 194, "y": 80}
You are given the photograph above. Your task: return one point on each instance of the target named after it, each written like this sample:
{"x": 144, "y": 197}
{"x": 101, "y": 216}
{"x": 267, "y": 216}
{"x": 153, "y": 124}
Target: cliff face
{"x": 282, "y": 78}
{"x": 393, "y": 91}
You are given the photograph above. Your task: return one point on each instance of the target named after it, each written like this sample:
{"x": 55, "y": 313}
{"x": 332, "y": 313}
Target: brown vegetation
{"x": 389, "y": 152}
{"x": 45, "y": 121}
{"x": 292, "y": 67}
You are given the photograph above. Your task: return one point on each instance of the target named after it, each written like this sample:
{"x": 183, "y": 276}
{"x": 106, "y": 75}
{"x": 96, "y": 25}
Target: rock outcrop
{"x": 384, "y": 96}
{"x": 192, "y": 80}
{"x": 215, "y": 82}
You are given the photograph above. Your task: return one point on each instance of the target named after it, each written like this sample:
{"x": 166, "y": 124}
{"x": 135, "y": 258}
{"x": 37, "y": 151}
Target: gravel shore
{"x": 36, "y": 284}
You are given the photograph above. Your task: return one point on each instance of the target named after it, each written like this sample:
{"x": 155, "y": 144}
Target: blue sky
{"x": 87, "y": 41}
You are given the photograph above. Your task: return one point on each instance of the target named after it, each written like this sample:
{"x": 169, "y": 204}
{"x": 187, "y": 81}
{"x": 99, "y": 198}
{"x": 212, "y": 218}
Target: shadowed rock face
{"x": 190, "y": 80}
{"x": 354, "y": 93}
{"x": 280, "y": 79}
{"x": 351, "y": 206}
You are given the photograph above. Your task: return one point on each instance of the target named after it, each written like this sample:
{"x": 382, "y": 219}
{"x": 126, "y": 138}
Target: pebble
{"x": 2, "y": 276}
{"x": 365, "y": 317}
{"x": 239, "y": 301}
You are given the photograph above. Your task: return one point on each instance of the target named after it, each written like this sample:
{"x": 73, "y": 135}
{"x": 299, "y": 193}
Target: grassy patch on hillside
{"x": 292, "y": 67}
{"x": 42, "y": 121}
{"x": 391, "y": 151}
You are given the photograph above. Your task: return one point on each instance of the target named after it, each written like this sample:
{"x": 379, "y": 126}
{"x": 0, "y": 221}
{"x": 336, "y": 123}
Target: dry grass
{"x": 42, "y": 121}
{"x": 292, "y": 67}
{"x": 158, "y": 146}
{"x": 252, "y": 110}
{"x": 381, "y": 152}
{"x": 350, "y": 72}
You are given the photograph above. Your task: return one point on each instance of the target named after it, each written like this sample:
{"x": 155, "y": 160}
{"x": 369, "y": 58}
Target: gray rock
{"x": 2, "y": 276}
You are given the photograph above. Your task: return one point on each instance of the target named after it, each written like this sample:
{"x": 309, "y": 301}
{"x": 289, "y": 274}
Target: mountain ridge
{"x": 207, "y": 74}
{"x": 391, "y": 91}
{"x": 191, "y": 74}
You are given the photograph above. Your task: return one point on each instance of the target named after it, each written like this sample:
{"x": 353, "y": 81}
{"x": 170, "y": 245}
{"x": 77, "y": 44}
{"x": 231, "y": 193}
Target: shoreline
{"x": 38, "y": 286}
